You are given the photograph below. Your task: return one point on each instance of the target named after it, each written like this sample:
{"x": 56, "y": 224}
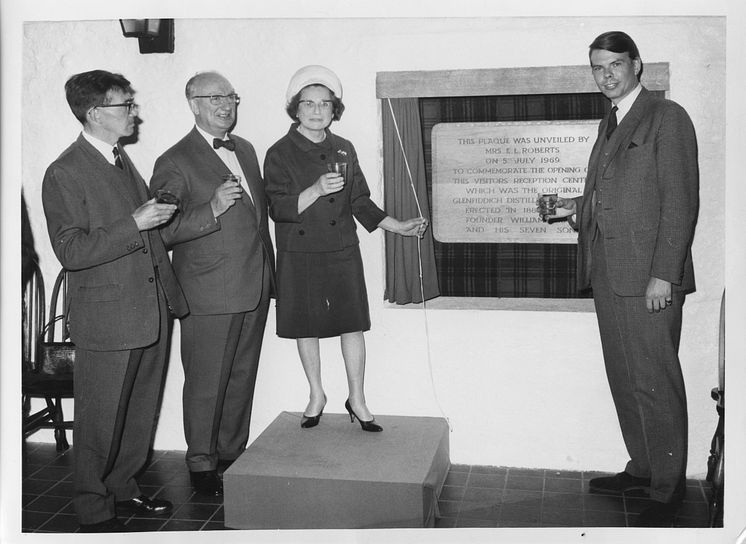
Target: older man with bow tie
{"x": 223, "y": 257}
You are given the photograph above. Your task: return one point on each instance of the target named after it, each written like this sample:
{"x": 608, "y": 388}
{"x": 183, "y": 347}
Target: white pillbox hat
{"x": 313, "y": 75}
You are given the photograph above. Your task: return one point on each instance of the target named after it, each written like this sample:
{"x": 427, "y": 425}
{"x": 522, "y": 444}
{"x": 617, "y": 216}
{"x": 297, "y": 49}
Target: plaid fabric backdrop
{"x": 506, "y": 270}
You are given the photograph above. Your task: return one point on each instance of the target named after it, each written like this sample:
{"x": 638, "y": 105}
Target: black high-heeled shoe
{"x": 306, "y": 422}
{"x": 369, "y": 426}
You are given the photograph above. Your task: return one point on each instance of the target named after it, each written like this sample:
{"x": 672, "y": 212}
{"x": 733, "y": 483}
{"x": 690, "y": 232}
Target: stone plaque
{"x": 487, "y": 176}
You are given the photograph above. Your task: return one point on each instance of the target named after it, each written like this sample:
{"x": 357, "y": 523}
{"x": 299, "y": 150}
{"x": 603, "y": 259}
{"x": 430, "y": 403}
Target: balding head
{"x": 199, "y": 80}
{"x": 213, "y": 102}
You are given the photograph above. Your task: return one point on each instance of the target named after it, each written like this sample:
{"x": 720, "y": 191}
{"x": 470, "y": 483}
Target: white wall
{"x": 509, "y": 400}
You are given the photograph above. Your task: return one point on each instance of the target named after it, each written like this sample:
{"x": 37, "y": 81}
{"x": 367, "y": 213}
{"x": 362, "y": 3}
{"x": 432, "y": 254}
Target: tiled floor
{"x": 482, "y": 496}
{"x": 473, "y": 496}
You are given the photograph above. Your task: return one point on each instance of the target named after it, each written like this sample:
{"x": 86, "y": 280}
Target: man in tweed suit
{"x": 224, "y": 260}
{"x": 121, "y": 288}
{"x": 636, "y": 222}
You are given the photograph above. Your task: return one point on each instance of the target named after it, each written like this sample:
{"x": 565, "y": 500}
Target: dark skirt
{"x": 320, "y": 295}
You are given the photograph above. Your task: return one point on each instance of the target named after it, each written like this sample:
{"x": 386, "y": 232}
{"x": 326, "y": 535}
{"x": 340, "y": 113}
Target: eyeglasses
{"x": 130, "y": 105}
{"x": 324, "y": 105}
{"x": 220, "y": 99}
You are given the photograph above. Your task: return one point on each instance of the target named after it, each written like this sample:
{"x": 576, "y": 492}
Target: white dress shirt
{"x": 229, "y": 159}
{"x": 625, "y": 104}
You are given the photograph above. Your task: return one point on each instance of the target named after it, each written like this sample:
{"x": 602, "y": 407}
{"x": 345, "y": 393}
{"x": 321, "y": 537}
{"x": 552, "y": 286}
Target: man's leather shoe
{"x": 223, "y": 465}
{"x": 144, "y": 506}
{"x": 207, "y": 482}
{"x": 660, "y": 514}
{"x": 618, "y": 484}
{"x": 112, "y": 525}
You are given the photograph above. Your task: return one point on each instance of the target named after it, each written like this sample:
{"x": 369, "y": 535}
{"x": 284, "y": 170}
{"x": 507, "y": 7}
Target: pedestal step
{"x": 336, "y": 476}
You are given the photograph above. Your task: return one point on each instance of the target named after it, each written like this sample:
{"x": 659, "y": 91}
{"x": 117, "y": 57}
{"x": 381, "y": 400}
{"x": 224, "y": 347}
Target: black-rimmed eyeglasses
{"x": 130, "y": 105}
{"x": 220, "y": 99}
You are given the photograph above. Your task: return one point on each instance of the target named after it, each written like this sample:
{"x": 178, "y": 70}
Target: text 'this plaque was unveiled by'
{"x": 487, "y": 177}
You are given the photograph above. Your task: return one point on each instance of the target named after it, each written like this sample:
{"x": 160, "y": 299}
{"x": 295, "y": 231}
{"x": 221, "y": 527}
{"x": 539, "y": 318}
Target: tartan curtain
{"x": 506, "y": 270}
{"x": 402, "y": 254}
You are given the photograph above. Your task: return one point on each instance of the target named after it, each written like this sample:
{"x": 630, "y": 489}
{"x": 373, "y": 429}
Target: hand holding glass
{"x": 232, "y": 177}
{"x": 235, "y": 191}
{"x": 335, "y": 182}
{"x": 547, "y": 205}
{"x": 164, "y": 197}
{"x": 226, "y": 194}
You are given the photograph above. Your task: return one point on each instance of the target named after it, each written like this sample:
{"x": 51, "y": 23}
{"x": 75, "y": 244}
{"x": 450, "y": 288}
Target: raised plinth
{"x": 335, "y": 476}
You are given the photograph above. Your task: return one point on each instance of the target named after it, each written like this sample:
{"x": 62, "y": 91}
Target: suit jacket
{"x": 112, "y": 291}
{"x": 293, "y": 164}
{"x": 649, "y": 174}
{"x": 219, "y": 263}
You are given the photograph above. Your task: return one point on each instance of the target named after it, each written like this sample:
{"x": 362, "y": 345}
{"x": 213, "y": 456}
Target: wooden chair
{"x": 38, "y": 381}
{"x": 716, "y": 461}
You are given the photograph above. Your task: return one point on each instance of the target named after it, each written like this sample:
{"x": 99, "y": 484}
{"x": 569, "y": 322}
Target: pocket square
{"x": 632, "y": 145}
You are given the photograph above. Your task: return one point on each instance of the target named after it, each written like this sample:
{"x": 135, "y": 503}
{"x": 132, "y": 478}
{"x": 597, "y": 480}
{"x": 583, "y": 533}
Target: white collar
{"x": 103, "y": 147}
{"x": 207, "y": 136}
{"x": 625, "y": 104}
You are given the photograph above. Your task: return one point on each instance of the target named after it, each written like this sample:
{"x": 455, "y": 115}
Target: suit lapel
{"x": 623, "y": 134}
{"x": 257, "y": 194}
{"x": 134, "y": 177}
{"x": 593, "y": 161}
{"x": 113, "y": 175}
{"x": 202, "y": 149}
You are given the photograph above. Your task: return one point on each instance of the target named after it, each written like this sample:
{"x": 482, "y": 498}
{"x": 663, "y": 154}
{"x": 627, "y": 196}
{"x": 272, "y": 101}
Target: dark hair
{"x": 617, "y": 41}
{"x": 337, "y": 105}
{"x": 89, "y": 89}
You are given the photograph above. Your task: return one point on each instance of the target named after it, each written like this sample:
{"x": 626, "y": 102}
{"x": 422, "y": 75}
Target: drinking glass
{"x": 547, "y": 205}
{"x": 337, "y": 167}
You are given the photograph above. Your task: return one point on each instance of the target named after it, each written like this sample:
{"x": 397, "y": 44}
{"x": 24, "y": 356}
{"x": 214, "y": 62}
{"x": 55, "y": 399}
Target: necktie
{"x": 611, "y": 126}
{"x": 117, "y": 159}
{"x": 229, "y": 144}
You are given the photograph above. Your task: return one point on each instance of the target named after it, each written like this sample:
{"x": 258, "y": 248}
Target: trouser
{"x": 642, "y": 365}
{"x": 116, "y": 404}
{"x": 220, "y": 354}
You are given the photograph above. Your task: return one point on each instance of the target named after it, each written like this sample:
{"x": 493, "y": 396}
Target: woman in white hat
{"x": 320, "y": 284}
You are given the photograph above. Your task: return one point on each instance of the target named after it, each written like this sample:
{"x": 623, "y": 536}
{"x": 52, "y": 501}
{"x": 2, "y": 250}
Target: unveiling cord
{"x": 419, "y": 262}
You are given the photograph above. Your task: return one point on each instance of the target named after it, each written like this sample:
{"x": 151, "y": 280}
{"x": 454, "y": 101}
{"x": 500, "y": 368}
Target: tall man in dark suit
{"x": 636, "y": 222}
{"x": 102, "y": 225}
{"x": 223, "y": 257}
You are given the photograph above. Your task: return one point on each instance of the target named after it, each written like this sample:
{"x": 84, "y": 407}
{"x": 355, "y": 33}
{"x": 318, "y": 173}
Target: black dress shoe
{"x": 660, "y": 514}
{"x": 112, "y": 525}
{"x": 207, "y": 483}
{"x": 618, "y": 484}
{"x": 144, "y": 506}
{"x": 223, "y": 465}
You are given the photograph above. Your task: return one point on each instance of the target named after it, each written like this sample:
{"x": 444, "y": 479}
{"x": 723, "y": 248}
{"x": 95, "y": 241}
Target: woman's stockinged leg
{"x": 310, "y": 357}
{"x": 353, "y": 352}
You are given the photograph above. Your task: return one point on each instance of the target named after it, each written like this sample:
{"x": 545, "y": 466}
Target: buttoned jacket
{"x": 292, "y": 165}
{"x": 112, "y": 282}
{"x": 219, "y": 263}
{"x": 648, "y": 176}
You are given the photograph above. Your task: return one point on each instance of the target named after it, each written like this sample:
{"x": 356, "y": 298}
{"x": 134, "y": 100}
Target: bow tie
{"x": 229, "y": 144}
